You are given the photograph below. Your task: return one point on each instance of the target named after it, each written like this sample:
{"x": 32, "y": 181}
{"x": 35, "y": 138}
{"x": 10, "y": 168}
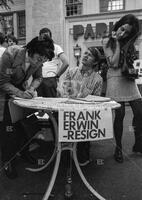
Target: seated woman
{"x": 80, "y": 82}
{"x": 18, "y": 65}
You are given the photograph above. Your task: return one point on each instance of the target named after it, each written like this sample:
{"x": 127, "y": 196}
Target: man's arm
{"x": 37, "y": 79}
{"x": 64, "y": 65}
{"x": 5, "y": 74}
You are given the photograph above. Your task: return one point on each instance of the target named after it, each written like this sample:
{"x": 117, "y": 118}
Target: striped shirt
{"x": 84, "y": 83}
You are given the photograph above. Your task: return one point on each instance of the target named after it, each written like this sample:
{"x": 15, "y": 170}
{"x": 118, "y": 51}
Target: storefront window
{"x": 21, "y": 25}
{"x": 111, "y": 5}
{"x": 73, "y": 7}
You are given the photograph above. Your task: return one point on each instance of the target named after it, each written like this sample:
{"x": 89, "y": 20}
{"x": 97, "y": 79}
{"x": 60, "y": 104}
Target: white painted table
{"x": 61, "y": 105}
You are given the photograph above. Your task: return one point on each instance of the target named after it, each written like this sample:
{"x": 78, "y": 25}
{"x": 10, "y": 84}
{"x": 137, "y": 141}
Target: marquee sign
{"x": 100, "y": 30}
{"x": 86, "y": 125}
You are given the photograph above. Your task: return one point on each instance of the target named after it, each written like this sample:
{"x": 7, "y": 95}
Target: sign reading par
{"x": 86, "y": 125}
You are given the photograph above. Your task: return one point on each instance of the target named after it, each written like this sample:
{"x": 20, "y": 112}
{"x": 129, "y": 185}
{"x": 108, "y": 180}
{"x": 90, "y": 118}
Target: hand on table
{"x": 24, "y": 94}
{"x": 32, "y": 92}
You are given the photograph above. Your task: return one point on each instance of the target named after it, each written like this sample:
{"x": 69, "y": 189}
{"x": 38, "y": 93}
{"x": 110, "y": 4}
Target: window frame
{"x": 106, "y": 9}
{"x": 5, "y": 29}
{"x": 21, "y": 13}
{"x": 73, "y": 8}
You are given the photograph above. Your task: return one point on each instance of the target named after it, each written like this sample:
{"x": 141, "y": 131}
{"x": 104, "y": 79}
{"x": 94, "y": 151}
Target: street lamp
{"x": 77, "y": 53}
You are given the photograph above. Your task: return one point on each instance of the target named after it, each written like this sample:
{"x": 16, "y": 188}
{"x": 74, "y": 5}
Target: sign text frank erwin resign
{"x": 83, "y": 125}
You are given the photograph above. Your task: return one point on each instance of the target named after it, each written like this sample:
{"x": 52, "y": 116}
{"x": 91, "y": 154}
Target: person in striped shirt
{"x": 85, "y": 79}
{"x": 80, "y": 82}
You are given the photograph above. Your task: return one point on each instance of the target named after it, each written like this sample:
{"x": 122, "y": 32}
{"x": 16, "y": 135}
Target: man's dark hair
{"x": 45, "y": 30}
{"x": 2, "y": 38}
{"x": 44, "y": 47}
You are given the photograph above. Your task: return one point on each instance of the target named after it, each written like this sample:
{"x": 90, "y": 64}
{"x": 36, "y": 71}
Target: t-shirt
{"x": 50, "y": 67}
{"x": 2, "y": 49}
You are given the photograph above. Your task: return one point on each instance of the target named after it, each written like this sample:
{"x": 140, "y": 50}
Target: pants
{"x": 12, "y": 136}
{"x": 48, "y": 87}
{"x": 136, "y": 106}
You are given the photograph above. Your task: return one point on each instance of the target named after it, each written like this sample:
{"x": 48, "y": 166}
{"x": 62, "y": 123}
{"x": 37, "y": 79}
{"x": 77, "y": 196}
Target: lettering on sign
{"x": 85, "y": 125}
{"x": 100, "y": 30}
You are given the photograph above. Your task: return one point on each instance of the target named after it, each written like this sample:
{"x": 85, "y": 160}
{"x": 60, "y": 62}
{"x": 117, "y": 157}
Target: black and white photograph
{"x": 70, "y": 100}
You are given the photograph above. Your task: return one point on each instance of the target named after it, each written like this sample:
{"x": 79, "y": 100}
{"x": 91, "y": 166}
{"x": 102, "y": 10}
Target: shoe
{"x": 28, "y": 158}
{"x": 118, "y": 156}
{"x": 137, "y": 149}
{"x": 10, "y": 171}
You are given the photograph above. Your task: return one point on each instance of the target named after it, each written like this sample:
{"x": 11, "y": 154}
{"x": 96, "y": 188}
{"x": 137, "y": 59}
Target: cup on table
{"x": 70, "y": 88}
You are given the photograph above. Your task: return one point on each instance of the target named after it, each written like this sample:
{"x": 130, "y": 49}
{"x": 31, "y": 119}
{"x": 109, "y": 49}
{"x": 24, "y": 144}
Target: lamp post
{"x": 77, "y": 53}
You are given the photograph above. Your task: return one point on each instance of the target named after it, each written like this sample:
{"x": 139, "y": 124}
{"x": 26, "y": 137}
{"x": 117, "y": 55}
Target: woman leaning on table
{"x": 120, "y": 53}
{"x": 20, "y": 75}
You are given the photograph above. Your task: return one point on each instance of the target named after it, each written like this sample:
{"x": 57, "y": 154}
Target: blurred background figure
{"x": 52, "y": 70}
{"x": 11, "y": 40}
{"x": 2, "y": 46}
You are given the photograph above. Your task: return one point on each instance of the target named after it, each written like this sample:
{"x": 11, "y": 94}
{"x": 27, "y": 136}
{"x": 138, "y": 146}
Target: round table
{"x": 49, "y": 105}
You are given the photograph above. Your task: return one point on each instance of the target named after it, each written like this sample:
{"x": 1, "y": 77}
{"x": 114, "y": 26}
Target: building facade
{"x": 12, "y": 21}
{"x": 75, "y": 24}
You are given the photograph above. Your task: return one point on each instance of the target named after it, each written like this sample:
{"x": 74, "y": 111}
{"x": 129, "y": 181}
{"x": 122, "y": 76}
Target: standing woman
{"x": 121, "y": 87}
{"x": 19, "y": 65}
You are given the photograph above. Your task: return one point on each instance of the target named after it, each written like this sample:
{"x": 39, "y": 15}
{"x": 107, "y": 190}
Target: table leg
{"x": 68, "y": 187}
{"x": 44, "y": 166}
{"x": 54, "y": 174}
{"x": 57, "y": 162}
{"x": 90, "y": 188}
{"x": 55, "y": 126}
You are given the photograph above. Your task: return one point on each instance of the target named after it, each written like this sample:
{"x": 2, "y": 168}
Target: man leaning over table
{"x": 18, "y": 65}
{"x": 80, "y": 82}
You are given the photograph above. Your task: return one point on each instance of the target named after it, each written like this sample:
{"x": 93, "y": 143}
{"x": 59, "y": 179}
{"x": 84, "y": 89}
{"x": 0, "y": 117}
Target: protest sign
{"x": 85, "y": 125}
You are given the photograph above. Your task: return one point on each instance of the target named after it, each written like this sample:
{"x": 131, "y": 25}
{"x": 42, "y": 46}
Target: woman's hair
{"x": 134, "y": 33}
{"x": 13, "y": 38}
{"x": 43, "y": 47}
{"x": 132, "y": 21}
{"x": 96, "y": 54}
{"x": 2, "y": 38}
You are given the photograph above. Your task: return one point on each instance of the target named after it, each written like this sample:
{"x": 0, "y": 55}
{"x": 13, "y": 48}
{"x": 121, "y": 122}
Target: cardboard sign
{"x": 85, "y": 125}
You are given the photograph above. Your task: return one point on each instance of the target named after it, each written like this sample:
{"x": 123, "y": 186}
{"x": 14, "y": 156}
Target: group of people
{"x": 46, "y": 61}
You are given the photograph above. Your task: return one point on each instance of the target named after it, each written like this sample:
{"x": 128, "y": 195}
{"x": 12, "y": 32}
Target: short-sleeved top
{"x": 2, "y": 49}
{"x": 52, "y": 66}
